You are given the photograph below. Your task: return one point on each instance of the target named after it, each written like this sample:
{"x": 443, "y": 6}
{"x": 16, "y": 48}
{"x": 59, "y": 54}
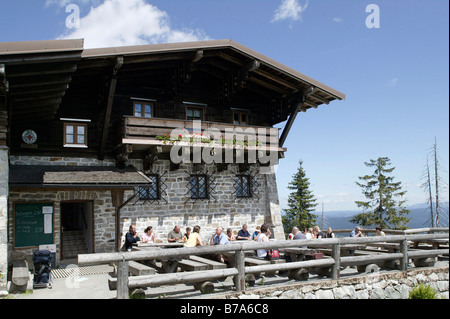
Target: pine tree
{"x": 382, "y": 208}
{"x": 301, "y": 203}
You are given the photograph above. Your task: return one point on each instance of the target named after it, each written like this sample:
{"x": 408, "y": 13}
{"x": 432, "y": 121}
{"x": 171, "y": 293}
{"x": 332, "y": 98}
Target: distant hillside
{"x": 419, "y": 217}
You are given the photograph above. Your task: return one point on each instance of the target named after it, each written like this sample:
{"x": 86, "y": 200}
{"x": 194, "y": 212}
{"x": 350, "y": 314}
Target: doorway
{"x": 76, "y": 229}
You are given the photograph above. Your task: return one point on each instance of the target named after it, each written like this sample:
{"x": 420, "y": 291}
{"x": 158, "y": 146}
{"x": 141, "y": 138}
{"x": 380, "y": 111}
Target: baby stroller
{"x": 42, "y": 269}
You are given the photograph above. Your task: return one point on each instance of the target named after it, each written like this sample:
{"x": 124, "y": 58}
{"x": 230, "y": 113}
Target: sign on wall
{"x": 33, "y": 224}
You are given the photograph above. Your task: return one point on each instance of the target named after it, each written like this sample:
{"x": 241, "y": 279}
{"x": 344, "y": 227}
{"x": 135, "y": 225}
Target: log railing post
{"x": 239, "y": 279}
{"x": 404, "y": 251}
{"x": 336, "y": 255}
{"x": 122, "y": 280}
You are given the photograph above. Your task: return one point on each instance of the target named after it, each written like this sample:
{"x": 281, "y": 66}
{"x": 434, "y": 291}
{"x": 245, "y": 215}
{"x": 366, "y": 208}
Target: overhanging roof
{"x": 38, "y": 75}
{"x": 34, "y": 176}
{"x": 326, "y": 94}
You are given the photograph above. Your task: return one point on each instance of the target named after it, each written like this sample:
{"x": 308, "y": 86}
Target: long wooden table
{"x": 169, "y": 265}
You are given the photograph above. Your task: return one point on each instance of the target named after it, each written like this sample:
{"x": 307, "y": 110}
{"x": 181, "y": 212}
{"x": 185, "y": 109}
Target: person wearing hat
{"x": 256, "y": 233}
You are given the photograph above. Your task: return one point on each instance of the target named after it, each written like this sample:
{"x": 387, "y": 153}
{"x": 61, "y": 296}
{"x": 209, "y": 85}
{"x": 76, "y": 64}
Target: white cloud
{"x": 394, "y": 82}
{"x": 337, "y": 19}
{"x": 289, "y": 10}
{"x": 127, "y": 22}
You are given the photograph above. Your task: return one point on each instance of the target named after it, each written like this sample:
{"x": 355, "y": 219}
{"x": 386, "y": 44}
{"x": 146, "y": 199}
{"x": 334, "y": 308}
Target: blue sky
{"x": 395, "y": 77}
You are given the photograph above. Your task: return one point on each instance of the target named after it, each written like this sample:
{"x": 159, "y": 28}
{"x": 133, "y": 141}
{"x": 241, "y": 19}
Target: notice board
{"x": 33, "y": 224}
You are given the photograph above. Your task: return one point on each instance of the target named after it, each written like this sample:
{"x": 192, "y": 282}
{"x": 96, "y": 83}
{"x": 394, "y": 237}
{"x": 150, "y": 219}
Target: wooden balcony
{"x": 143, "y": 133}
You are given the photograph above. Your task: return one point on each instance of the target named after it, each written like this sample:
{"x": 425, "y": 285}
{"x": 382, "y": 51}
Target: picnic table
{"x": 346, "y": 250}
{"x": 299, "y": 253}
{"x": 390, "y": 247}
{"x": 435, "y": 243}
{"x": 169, "y": 265}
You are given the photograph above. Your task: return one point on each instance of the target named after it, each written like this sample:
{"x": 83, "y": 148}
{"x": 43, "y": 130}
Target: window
{"x": 240, "y": 118}
{"x": 75, "y": 135}
{"x": 143, "y": 109}
{"x": 199, "y": 186}
{"x": 194, "y": 113}
{"x": 152, "y": 192}
{"x": 243, "y": 188}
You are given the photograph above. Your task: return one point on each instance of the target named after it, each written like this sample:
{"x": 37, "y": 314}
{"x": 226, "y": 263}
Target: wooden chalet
{"x": 85, "y": 148}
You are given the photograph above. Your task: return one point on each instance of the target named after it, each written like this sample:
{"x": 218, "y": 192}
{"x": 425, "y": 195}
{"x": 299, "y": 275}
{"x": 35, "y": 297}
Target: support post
{"x": 336, "y": 255}
{"x": 404, "y": 251}
{"x": 122, "y": 280}
{"x": 239, "y": 279}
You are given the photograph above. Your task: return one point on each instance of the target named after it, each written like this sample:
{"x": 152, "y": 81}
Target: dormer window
{"x": 75, "y": 135}
{"x": 143, "y": 109}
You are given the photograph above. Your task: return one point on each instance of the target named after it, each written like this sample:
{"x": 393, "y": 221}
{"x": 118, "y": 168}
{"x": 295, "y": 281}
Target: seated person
{"x": 219, "y": 239}
{"x": 243, "y": 233}
{"x": 186, "y": 234}
{"x": 194, "y": 239}
{"x": 175, "y": 235}
{"x": 356, "y": 232}
{"x": 230, "y": 235}
{"x": 262, "y": 238}
{"x": 149, "y": 235}
{"x": 256, "y": 233}
{"x": 131, "y": 237}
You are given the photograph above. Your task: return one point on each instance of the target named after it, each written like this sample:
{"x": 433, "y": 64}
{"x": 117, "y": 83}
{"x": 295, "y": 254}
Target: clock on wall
{"x": 29, "y": 137}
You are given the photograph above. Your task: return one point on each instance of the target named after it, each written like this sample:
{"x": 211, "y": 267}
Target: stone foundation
{"x": 391, "y": 285}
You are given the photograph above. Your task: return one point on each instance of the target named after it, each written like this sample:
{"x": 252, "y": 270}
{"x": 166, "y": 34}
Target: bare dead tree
{"x": 427, "y": 187}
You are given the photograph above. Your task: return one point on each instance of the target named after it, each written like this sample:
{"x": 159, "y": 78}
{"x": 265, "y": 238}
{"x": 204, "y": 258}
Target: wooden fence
{"x": 124, "y": 283}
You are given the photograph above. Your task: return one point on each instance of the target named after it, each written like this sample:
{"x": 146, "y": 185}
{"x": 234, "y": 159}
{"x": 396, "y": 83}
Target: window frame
{"x": 156, "y": 183}
{"x": 196, "y": 195}
{"x": 75, "y": 143}
{"x": 240, "y": 184}
{"x": 143, "y": 104}
{"x": 240, "y": 113}
{"x": 195, "y": 107}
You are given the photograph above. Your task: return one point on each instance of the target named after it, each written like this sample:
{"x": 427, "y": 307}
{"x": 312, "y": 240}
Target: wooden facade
{"x": 112, "y": 107}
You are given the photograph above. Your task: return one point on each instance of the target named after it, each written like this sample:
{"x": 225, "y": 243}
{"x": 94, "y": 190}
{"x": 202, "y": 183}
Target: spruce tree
{"x": 382, "y": 208}
{"x": 301, "y": 203}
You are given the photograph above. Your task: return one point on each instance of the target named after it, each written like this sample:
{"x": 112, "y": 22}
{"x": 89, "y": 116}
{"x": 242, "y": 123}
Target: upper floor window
{"x": 75, "y": 135}
{"x": 240, "y": 118}
{"x": 143, "y": 109}
{"x": 194, "y": 113}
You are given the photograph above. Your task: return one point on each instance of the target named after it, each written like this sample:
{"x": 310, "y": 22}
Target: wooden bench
{"x": 20, "y": 276}
{"x": 138, "y": 269}
{"x": 212, "y": 264}
{"x": 192, "y": 265}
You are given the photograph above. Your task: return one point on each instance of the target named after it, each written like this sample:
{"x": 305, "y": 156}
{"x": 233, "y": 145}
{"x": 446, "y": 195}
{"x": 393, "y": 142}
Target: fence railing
{"x": 239, "y": 271}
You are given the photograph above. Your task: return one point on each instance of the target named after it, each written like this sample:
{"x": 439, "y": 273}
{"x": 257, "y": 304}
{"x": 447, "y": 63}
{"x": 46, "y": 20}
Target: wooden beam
{"x": 269, "y": 86}
{"x": 106, "y": 123}
{"x": 42, "y": 89}
{"x": 37, "y": 102}
{"x": 41, "y": 82}
{"x": 42, "y": 72}
{"x": 36, "y": 96}
{"x": 274, "y": 78}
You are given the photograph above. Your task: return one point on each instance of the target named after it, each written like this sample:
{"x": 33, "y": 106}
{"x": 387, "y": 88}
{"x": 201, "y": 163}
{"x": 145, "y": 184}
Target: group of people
{"x": 191, "y": 237}
{"x": 220, "y": 237}
{"x": 310, "y": 233}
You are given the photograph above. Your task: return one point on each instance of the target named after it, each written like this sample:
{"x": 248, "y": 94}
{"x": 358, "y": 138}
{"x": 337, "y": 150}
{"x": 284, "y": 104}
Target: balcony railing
{"x": 169, "y": 132}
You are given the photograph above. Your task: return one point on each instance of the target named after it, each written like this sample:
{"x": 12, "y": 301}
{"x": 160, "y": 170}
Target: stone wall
{"x": 389, "y": 285}
{"x": 176, "y": 208}
{"x": 104, "y": 222}
{"x": 4, "y": 177}
{"x": 223, "y": 210}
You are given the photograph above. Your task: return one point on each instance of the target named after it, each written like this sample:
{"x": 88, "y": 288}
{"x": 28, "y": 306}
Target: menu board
{"x": 33, "y": 224}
